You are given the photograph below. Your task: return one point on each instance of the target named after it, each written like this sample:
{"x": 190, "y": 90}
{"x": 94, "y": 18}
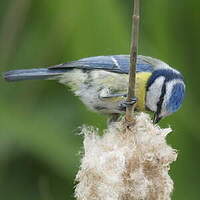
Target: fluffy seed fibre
{"x": 126, "y": 164}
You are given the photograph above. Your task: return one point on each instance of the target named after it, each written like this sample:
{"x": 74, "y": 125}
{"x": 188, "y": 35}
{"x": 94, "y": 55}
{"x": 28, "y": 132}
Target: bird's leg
{"x": 111, "y": 96}
{"x": 123, "y": 103}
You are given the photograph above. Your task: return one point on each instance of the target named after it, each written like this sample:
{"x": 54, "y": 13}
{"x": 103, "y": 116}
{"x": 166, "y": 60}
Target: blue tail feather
{"x": 32, "y": 74}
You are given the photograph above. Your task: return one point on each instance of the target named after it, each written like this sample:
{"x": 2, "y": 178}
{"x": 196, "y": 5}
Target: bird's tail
{"x": 33, "y": 74}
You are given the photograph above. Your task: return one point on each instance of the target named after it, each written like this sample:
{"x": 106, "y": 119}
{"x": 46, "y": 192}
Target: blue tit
{"x": 101, "y": 83}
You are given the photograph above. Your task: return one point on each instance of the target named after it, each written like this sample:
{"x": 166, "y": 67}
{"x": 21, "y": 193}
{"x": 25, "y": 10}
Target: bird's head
{"x": 165, "y": 92}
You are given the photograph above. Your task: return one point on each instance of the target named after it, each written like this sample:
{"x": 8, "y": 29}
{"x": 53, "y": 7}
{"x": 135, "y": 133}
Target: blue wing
{"x": 115, "y": 63}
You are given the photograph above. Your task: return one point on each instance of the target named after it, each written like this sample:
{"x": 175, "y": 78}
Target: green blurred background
{"x": 39, "y": 147}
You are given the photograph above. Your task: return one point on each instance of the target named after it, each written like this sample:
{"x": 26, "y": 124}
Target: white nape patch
{"x": 115, "y": 61}
{"x": 154, "y": 93}
{"x": 169, "y": 88}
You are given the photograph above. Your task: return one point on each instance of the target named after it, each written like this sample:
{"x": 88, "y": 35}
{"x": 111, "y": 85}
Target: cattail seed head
{"x": 126, "y": 164}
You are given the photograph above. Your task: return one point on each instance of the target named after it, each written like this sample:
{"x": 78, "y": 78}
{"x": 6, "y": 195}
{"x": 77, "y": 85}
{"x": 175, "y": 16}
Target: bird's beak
{"x": 156, "y": 118}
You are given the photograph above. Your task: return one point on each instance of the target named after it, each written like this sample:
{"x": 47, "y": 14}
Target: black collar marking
{"x": 160, "y": 102}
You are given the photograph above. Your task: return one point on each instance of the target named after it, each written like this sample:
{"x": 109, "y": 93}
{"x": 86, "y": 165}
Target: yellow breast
{"x": 140, "y": 89}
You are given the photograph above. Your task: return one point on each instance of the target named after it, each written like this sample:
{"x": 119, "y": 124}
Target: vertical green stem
{"x": 133, "y": 59}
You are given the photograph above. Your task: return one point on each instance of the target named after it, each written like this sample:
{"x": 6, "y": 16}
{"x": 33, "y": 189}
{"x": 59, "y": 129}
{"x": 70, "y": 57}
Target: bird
{"x": 101, "y": 83}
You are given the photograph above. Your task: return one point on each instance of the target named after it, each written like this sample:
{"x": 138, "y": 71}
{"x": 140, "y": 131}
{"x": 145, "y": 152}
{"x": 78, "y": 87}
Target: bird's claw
{"x": 125, "y": 104}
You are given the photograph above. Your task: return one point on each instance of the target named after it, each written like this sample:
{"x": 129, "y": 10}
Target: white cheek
{"x": 154, "y": 93}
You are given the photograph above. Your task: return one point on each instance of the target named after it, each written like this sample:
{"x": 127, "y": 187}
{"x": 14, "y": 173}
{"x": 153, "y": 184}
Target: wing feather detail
{"x": 115, "y": 63}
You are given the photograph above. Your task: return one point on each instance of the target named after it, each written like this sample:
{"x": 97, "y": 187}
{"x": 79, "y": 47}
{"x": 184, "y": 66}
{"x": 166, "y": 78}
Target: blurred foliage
{"x": 39, "y": 147}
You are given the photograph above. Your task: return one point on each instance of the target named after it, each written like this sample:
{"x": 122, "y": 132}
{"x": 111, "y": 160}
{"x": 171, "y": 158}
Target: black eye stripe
{"x": 161, "y": 99}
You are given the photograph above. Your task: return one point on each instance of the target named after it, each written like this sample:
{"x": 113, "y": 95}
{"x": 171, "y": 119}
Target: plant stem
{"x": 133, "y": 59}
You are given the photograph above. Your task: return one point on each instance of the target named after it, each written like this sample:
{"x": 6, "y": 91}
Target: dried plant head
{"x": 126, "y": 164}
